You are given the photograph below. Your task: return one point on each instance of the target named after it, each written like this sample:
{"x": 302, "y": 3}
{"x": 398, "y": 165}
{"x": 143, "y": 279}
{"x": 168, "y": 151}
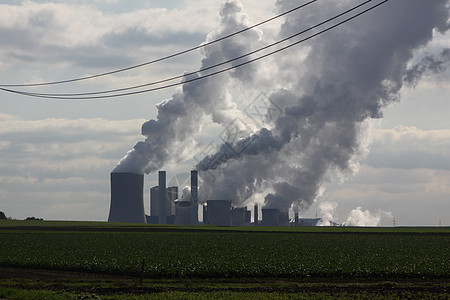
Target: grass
{"x": 205, "y": 262}
{"x": 21, "y": 224}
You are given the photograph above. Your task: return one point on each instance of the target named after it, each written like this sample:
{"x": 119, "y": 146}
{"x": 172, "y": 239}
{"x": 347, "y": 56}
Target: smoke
{"x": 325, "y": 90}
{"x": 359, "y": 217}
{"x": 347, "y": 77}
{"x": 326, "y": 211}
{"x": 356, "y": 217}
{"x": 428, "y": 65}
{"x": 181, "y": 117}
{"x": 186, "y": 194}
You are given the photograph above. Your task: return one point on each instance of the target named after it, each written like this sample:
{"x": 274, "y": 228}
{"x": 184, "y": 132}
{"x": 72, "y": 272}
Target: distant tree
{"x": 2, "y": 216}
{"x": 33, "y": 218}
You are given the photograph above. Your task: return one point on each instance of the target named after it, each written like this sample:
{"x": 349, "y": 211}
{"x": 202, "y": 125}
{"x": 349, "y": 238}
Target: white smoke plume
{"x": 359, "y": 217}
{"x": 326, "y": 212}
{"x": 325, "y": 89}
{"x": 347, "y": 77}
{"x": 180, "y": 118}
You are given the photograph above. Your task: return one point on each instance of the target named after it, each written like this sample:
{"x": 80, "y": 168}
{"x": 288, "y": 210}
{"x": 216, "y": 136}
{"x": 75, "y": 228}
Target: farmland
{"x": 210, "y": 256}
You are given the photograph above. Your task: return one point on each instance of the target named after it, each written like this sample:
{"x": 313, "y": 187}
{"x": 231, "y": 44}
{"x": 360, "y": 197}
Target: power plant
{"x": 167, "y": 206}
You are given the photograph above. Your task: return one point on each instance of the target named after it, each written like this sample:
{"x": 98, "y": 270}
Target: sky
{"x": 56, "y": 155}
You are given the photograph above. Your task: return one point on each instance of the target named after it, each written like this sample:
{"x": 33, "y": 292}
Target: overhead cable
{"x": 162, "y": 58}
{"x": 210, "y": 67}
{"x": 54, "y": 96}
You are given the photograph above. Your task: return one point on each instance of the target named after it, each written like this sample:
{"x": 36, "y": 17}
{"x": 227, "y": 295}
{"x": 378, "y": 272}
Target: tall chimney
{"x": 162, "y": 197}
{"x": 255, "y": 215}
{"x": 205, "y": 214}
{"x": 194, "y": 197}
{"x": 127, "y": 198}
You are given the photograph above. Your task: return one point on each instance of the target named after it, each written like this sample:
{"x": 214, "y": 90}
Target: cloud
{"x": 52, "y": 164}
{"x": 410, "y": 147}
{"x": 82, "y": 35}
{"x": 413, "y": 196}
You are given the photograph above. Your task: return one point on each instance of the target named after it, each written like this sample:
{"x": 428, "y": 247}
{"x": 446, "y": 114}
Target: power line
{"x": 210, "y": 67}
{"x": 69, "y": 96}
{"x": 162, "y": 58}
{"x": 50, "y": 96}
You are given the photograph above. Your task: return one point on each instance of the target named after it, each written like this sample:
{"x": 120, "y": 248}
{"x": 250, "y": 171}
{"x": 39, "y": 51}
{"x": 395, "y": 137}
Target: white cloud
{"x": 410, "y": 147}
{"x": 53, "y": 161}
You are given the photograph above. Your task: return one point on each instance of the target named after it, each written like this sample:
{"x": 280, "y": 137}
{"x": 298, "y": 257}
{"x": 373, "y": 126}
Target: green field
{"x": 284, "y": 260}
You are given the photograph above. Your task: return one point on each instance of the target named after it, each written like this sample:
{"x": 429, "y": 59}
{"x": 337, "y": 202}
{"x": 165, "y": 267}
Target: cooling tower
{"x": 127, "y": 200}
{"x": 219, "y": 212}
{"x": 194, "y": 197}
{"x": 238, "y": 216}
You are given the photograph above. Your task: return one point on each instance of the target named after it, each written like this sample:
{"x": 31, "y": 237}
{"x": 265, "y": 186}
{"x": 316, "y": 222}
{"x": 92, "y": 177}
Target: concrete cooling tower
{"x": 127, "y": 200}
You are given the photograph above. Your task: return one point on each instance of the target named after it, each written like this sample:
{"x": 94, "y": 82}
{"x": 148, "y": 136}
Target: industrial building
{"x": 274, "y": 217}
{"x": 221, "y": 213}
{"x": 305, "y": 222}
{"x": 168, "y": 207}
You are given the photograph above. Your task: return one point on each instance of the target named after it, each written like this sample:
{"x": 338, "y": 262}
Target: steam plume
{"x": 347, "y": 77}
{"x": 359, "y": 217}
{"x": 325, "y": 90}
{"x": 180, "y": 117}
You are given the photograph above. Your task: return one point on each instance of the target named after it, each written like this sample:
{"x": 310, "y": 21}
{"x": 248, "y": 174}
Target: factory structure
{"x": 168, "y": 207}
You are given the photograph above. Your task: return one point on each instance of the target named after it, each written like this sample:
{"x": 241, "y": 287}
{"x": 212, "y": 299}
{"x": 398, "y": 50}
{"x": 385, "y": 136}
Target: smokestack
{"x": 127, "y": 200}
{"x": 255, "y": 215}
{"x": 296, "y": 219}
{"x": 205, "y": 213}
{"x": 162, "y": 197}
{"x": 194, "y": 197}
{"x": 154, "y": 201}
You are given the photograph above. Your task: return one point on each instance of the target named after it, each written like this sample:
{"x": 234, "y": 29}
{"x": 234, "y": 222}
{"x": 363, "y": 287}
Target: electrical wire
{"x": 210, "y": 67}
{"x": 165, "y": 57}
{"x": 49, "y": 96}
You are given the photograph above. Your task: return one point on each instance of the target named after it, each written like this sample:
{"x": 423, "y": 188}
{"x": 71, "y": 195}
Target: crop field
{"x": 416, "y": 257}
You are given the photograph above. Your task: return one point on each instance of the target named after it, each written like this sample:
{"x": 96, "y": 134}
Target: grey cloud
{"x": 410, "y": 148}
{"x": 428, "y": 65}
{"x": 135, "y": 37}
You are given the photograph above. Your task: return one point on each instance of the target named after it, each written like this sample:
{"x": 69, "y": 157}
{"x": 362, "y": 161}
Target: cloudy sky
{"x": 56, "y": 155}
